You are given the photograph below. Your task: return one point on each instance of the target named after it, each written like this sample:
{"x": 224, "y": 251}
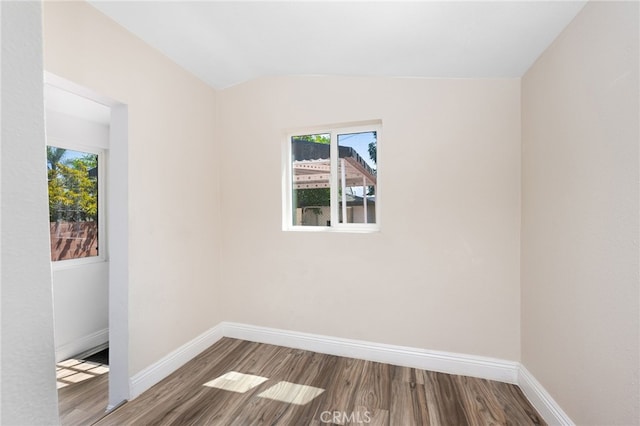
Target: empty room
{"x": 307, "y": 213}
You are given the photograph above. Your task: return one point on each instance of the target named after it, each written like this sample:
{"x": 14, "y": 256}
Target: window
{"x": 332, "y": 179}
{"x": 73, "y": 204}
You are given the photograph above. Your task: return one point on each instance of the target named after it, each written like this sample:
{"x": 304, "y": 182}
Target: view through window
{"x": 334, "y": 178}
{"x": 73, "y": 203}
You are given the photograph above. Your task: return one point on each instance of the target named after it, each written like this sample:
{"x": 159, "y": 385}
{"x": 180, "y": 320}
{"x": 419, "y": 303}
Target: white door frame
{"x": 117, "y": 235}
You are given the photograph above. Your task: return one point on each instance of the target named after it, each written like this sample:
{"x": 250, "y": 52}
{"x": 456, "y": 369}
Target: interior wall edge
{"x": 157, "y": 371}
{"x": 541, "y": 400}
{"x": 28, "y": 391}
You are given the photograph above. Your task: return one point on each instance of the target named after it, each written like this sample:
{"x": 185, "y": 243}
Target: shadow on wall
{"x": 73, "y": 240}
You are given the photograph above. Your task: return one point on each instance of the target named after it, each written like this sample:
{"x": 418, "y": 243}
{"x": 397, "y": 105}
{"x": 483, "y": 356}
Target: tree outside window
{"x": 73, "y": 203}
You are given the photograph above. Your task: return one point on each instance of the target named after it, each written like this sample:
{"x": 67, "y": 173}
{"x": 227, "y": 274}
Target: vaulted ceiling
{"x": 228, "y": 42}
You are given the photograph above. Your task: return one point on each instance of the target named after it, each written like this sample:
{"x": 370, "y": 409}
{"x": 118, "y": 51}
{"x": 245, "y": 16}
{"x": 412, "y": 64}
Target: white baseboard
{"x": 541, "y": 400}
{"x": 445, "y": 362}
{"x": 82, "y": 344}
{"x": 151, "y": 375}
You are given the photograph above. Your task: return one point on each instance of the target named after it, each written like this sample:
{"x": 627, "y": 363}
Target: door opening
{"x": 86, "y": 143}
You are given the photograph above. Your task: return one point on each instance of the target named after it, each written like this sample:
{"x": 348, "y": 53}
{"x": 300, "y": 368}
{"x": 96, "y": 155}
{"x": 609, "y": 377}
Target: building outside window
{"x": 332, "y": 179}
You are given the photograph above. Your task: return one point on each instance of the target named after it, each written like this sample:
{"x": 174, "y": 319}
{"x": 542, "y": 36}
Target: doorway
{"x": 88, "y": 180}
{"x": 77, "y": 131}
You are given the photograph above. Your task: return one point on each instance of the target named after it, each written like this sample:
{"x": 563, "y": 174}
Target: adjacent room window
{"x": 333, "y": 179}
{"x": 73, "y": 203}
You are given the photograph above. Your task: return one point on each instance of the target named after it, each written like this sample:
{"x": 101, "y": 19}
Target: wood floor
{"x": 281, "y": 386}
{"x": 83, "y": 402}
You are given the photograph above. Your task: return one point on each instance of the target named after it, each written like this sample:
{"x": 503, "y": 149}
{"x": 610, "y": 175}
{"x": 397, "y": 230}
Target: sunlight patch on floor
{"x": 236, "y": 382}
{"x": 291, "y": 393}
{"x": 75, "y": 371}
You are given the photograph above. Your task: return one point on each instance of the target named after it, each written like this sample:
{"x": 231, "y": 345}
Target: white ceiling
{"x": 226, "y": 43}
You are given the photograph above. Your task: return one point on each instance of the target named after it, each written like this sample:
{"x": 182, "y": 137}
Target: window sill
{"x": 356, "y": 229}
{"x": 76, "y": 263}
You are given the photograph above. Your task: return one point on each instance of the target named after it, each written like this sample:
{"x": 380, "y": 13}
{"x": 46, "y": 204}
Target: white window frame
{"x": 102, "y": 166}
{"x": 287, "y": 177}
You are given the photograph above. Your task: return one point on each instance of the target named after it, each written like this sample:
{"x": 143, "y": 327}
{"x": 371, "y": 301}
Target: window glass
{"x": 73, "y": 203}
{"x": 311, "y": 182}
{"x": 357, "y": 177}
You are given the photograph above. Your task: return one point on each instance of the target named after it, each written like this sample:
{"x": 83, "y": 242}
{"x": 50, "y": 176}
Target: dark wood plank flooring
{"x": 353, "y": 392}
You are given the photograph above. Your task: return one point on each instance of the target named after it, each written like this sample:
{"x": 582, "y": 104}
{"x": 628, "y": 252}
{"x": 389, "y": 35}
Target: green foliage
{"x": 73, "y": 194}
{"x": 324, "y": 139}
{"x": 312, "y": 197}
{"x": 373, "y": 148}
{"x": 373, "y": 154}
{"x": 89, "y": 160}
{"x": 54, "y": 155}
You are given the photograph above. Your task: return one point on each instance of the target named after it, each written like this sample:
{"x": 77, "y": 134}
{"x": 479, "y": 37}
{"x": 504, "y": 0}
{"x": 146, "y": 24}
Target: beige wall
{"x": 173, "y": 174}
{"x": 27, "y": 371}
{"x": 442, "y": 274}
{"x": 580, "y": 217}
